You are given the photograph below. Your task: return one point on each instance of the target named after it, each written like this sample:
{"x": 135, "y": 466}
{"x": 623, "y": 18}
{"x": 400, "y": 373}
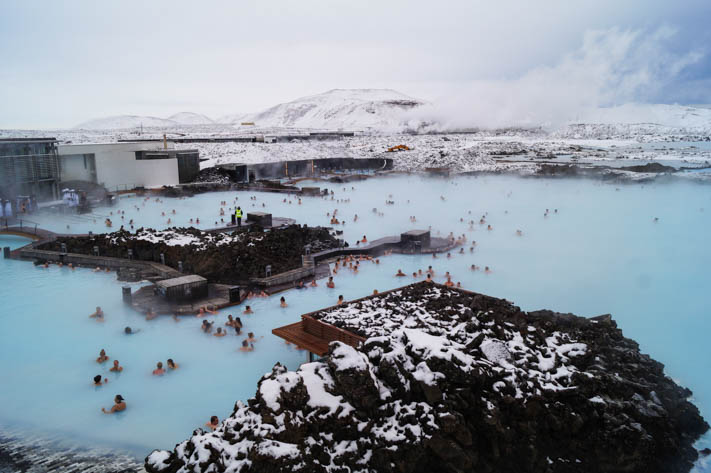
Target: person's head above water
{"x": 118, "y": 398}
{"x": 127, "y": 330}
{"x": 97, "y": 379}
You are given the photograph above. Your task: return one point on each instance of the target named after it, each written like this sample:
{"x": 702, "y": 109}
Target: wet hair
{"x": 127, "y": 330}
{"x": 214, "y": 419}
{"x": 119, "y": 398}
{"x": 245, "y": 343}
{"x": 97, "y": 379}
{"x": 219, "y": 329}
{"x": 251, "y": 334}
{"x": 171, "y": 362}
{"x": 282, "y": 299}
{"x": 159, "y": 364}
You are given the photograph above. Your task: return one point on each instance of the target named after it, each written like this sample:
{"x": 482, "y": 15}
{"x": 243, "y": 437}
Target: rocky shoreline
{"x": 454, "y": 381}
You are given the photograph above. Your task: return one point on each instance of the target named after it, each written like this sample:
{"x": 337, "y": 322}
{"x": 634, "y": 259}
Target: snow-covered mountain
{"x": 190, "y": 118}
{"x": 381, "y": 109}
{"x": 125, "y": 121}
{"x": 642, "y": 122}
{"x": 233, "y": 118}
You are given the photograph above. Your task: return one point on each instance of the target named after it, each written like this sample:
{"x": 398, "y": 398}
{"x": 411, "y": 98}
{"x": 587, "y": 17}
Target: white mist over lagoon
{"x": 600, "y": 253}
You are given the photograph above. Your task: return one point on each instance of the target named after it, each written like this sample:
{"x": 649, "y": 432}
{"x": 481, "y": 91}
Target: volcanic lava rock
{"x": 218, "y": 257}
{"x": 650, "y": 167}
{"x": 452, "y": 381}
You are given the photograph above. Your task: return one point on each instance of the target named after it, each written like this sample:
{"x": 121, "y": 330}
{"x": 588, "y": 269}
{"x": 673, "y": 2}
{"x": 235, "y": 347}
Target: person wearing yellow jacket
{"x": 238, "y": 216}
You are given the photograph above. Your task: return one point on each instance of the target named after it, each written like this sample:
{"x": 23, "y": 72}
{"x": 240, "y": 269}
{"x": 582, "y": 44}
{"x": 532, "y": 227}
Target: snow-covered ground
{"x": 626, "y": 134}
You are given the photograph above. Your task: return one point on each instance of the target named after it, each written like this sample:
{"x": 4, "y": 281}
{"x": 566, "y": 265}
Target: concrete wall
{"x": 73, "y": 167}
{"x": 118, "y": 168}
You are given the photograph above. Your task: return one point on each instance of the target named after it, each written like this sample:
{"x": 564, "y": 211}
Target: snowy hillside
{"x": 641, "y": 122}
{"x": 190, "y": 118}
{"x": 381, "y": 109}
{"x": 125, "y": 121}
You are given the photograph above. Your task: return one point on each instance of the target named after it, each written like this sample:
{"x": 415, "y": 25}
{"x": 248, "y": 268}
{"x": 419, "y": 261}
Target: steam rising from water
{"x": 611, "y": 67}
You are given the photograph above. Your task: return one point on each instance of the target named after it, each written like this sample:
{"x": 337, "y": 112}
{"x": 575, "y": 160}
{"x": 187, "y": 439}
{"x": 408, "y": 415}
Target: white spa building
{"x": 127, "y": 165}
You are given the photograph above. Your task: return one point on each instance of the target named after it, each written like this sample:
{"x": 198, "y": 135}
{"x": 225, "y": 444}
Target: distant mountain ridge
{"x": 386, "y": 110}
{"x": 117, "y": 122}
{"x": 382, "y": 109}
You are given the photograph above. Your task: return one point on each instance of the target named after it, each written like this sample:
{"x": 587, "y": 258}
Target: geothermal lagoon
{"x": 638, "y": 251}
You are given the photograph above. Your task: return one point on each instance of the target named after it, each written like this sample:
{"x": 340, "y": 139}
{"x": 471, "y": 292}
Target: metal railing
{"x": 25, "y": 226}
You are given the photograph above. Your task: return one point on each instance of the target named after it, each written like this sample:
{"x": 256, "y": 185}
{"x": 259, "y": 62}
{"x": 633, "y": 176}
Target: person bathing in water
{"x": 117, "y": 367}
{"x": 119, "y": 405}
{"x": 98, "y": 315}
{"x": 98, "y": 382}
{"x": 102, "y": 356}
{"x": 214, "y": 422}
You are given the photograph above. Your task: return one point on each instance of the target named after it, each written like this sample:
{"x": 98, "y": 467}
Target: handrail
{"x": 23, "y": 224}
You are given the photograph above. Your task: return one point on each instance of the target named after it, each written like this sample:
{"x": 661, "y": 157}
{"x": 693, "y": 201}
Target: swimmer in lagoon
{"x": 98, "y": 315}
{"x": 98, "y": 381}
{"x": 330, "y": 284}
{"x": 219, "y": 333}
{"x": 238, "y": 322}
{"x": 250, "y": 337}
{"x": 159, "y": 371}
{"x": 102, "y": 356}
{"x": 206, "y": 326}
{"x": 116, "y": 367}
{"x": 313, "y": 283}
{"x": 172, "y": 365}
{"x": 399, "y": 273}
{"x": 246, "y": 346}
{"x": 248, "y": 310}
{"x": 230, "y": 321}
{"x": 119, "y": 405}
{"x": 340, "y": 300}
{"x": 375, "y": 292}
{"x": 214, "y": 423}
{"x": 282, "y": 302}
{"x": 130, "y": 331}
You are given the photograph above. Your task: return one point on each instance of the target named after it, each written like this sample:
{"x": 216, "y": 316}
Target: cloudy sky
{"x": 65, "y": 62}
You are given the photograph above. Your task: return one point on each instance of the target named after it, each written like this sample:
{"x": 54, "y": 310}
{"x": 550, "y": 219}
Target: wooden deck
{"x": 315, "y": 336}
{"x": 296, "y": 334}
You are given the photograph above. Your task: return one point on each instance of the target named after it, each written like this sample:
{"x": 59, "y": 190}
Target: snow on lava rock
{"x": 450, "y": 381}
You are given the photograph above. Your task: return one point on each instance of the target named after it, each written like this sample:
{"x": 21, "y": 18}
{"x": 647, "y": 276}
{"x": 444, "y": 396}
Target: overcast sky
{"x": 64, "y": 62}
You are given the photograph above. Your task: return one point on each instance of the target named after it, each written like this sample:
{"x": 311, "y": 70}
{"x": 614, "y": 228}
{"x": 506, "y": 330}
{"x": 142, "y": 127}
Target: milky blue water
{"x": 602, "y": 252}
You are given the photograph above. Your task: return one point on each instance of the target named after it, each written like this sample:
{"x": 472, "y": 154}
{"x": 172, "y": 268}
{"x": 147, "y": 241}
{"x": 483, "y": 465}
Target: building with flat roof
{"x": 29, "y": 167}
{"x": 125, "y": 166}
